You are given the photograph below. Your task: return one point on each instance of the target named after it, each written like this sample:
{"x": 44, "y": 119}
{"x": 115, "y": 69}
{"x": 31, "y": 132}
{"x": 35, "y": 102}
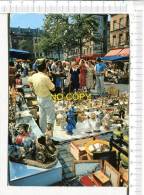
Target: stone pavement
{"x": 67, "y": 161}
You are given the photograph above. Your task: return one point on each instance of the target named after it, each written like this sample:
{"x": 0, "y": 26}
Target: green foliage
{"x": 25, "y": 45}
{"x": 67, "y": 32}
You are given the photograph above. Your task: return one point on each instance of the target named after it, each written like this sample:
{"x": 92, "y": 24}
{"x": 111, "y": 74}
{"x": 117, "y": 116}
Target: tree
{"x": 55, "y": 27}
{"x": 84, "y": 27}
{"x": 67, "y": 32}
{"x": 25, "y": 45}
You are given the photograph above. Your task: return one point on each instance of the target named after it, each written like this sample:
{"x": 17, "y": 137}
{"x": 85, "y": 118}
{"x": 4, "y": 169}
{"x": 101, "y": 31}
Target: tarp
{"x": 19, "y": 54}
{"x": 115, "y": 58}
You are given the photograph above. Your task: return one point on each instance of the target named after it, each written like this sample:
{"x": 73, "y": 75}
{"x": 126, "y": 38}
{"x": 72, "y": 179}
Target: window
{"x": 114, "y": 41}
{"x": 121, "y": 39}
{"x": 114, "y": 25}
{"x": 121, "y": 23}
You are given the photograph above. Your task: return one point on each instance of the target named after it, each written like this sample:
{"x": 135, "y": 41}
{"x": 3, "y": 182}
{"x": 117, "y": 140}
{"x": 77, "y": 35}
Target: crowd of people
{"x": 48, "y": 76}
{"x": 72, "y": 76}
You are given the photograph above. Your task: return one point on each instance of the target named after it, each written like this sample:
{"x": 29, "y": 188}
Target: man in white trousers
{"x": 42, "y": 85}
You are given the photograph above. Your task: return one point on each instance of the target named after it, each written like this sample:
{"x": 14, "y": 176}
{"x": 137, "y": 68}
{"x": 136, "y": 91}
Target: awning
{"x": 119, "y": 52}
{"x": 117, "y": 55}
{"x": 114, "y": 52}
{"x": 19, "y": 54}
{"x": 115, "y": 58}
{"x": 19, "y": 51}
{"x": 125, "y": 52}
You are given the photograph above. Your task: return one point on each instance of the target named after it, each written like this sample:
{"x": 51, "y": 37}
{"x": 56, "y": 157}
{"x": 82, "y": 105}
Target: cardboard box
{"x": 77, "y": 149}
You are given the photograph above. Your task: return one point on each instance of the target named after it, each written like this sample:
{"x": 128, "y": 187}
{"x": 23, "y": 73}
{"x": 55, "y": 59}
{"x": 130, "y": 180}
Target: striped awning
{"x": 125, "y": 52}
{"x": 114, "y": 52}
{"x": 118, "y": 52}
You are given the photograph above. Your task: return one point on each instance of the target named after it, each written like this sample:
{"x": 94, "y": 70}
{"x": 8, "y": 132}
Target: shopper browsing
{"x": 99, "y": 71}
{"x": 90, "y": 76}
{"x": 58, "y": 74}
{"x": 42, "y": 85}
{"x": 82, "y": 75}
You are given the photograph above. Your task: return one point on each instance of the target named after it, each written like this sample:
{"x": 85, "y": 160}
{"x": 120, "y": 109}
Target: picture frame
{"x": 86, "y": 167}
{"x": 112, "y": 173}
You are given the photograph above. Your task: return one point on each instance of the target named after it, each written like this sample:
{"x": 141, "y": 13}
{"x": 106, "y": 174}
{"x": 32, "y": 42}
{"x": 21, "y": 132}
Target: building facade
{"x": 25, "y": 39}
{"x": 119, "y": 31}
{"x": 55, "y": 55}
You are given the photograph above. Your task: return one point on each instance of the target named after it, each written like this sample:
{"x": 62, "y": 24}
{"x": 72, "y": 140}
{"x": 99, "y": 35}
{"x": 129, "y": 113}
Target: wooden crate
{"x": 77, "y": 149}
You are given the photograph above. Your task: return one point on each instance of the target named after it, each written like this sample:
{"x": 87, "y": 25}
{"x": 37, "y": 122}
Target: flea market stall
{"x": 89, "y": 132}
{"x": 26, "y": 167}
{"x": 117, "y": 61}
